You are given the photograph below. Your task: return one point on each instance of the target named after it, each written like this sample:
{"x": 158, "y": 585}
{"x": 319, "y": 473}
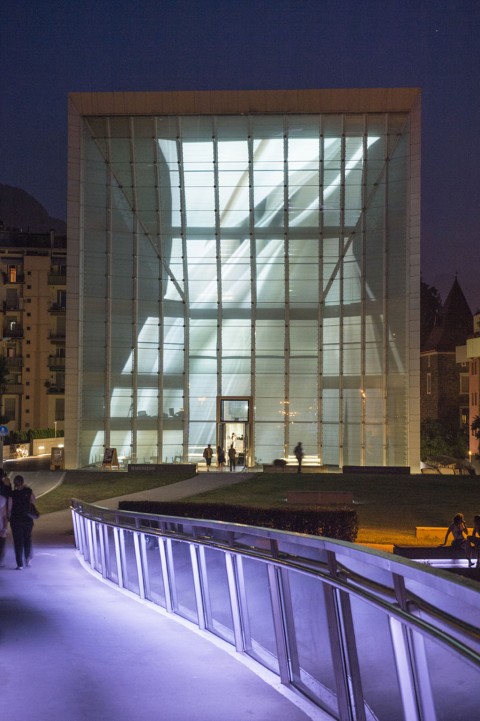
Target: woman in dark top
{"x": 21, "y": 522}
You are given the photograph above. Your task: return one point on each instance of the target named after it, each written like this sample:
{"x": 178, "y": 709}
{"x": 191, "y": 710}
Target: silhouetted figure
{"x": 459, "y": 531}
{"x": 208, "y": 455}
{"x": 21, "y": 523}
{"x": 298, "y": 451}
{"x": 5, "y": 491}
{"x": 474, "y": 538}
{"x": 220, "y": 457}
{"x": 232, "y": 457}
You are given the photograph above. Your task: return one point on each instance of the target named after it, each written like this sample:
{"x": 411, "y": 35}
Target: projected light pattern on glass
{"x": 245, "y": 256}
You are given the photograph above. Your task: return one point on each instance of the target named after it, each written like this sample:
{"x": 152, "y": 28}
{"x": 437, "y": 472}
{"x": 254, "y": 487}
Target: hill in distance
{"x": 20, "y": 211}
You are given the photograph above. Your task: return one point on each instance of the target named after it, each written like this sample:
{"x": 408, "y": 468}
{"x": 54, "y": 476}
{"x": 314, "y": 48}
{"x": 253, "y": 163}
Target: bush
{"x": 337, "y": 523}
{"x": 280, "y": 462}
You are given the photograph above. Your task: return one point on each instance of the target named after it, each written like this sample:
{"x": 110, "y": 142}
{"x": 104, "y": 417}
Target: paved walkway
{"x": 73, "y": 648}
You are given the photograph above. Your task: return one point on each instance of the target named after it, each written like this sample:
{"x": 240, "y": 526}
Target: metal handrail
{"x": 420, "y": 600}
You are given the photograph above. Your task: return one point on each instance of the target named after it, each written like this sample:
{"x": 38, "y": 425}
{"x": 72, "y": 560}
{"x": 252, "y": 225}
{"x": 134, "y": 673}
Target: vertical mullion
{"x": 321, "y": 304}
{"x": 385, "y": 324}
{"x": 107, "y": 379}
{"x": 364, "y": 399}
{"x": 161, "y": 306}
{"x": 341, "y": 241}
{"x": 216, "y": 190}
{"x": 253, "y": 275}
{"x": 286, "y": 257}
{"x": 134, "y": 339}
{"x": 186, "y": 304}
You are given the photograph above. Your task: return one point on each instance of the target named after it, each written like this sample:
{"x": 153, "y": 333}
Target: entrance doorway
{"x": 234, "y": 427}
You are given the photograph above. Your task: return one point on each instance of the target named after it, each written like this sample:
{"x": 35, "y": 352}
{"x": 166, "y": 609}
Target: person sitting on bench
{"x": 459, "y": 531}
{"x": 474, "y": 538}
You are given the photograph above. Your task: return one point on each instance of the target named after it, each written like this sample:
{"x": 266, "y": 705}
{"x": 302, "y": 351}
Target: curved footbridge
{"x": 180, "y": 619}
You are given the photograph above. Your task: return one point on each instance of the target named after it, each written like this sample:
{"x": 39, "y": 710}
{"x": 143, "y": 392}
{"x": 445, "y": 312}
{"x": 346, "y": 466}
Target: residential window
{"x": 464, "y": 380}
{"x": 429, "y": 383}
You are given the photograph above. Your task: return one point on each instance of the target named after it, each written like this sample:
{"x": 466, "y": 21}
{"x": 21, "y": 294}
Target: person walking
{"x": 232, "y": 457}
{"x": 4, "y": 495}
{"x": 21, "y": 521}
{"x": 298, "y": 451}
{"x": 220, "y": 457}
{"x": 208, "y": 455}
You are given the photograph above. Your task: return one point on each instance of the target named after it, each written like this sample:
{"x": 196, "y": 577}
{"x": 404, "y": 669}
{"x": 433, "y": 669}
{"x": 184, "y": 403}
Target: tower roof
{"x": 454, "y": 324}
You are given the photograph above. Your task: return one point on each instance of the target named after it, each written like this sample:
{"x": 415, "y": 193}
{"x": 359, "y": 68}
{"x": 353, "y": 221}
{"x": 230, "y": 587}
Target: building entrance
{"x": 234, "y": 428}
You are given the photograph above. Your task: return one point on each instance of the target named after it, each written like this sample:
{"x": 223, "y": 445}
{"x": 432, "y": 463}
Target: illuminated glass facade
{"x": 246, "y": 276}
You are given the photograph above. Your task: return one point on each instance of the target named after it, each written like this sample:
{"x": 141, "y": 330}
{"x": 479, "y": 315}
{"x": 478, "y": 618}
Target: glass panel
{"x": 184, "y": 603}
{"x": 377, "y": 662}
{"x": 261, "y": 642}
{"x": 130, "y": 574}
{"x": 217, "y": 592}
{"x": 155, "y": 575}
{"x": 312, "y": 663}
{"x": 112, "y": 570}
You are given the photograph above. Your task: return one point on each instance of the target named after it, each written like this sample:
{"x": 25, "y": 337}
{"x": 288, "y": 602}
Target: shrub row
{"x": 338, "y": 523}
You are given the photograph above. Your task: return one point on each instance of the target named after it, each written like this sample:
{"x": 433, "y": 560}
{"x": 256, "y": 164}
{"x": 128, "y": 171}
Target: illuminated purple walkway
{"x": 73, "y": 649}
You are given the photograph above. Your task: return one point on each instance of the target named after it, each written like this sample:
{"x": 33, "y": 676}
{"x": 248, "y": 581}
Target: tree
{"x": 437, "y": 439}
{"x": 475, "y": 428}
{"x": 430, "y": 309}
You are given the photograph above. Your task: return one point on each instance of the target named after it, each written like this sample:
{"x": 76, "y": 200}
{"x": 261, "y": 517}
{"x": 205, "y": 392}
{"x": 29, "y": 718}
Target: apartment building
{"x": 33, "y": 308}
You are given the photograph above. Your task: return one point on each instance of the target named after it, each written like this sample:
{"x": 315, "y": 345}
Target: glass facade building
{"x": 244, "y": 267}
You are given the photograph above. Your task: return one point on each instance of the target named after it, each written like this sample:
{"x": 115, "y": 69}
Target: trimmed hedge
{"x": 338, "y": 523}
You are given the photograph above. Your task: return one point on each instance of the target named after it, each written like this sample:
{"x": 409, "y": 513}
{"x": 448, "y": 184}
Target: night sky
{"x": 49, "y": 48}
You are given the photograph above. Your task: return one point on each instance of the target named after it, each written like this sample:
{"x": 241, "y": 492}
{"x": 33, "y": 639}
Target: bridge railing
{"x": 363, "y": 635}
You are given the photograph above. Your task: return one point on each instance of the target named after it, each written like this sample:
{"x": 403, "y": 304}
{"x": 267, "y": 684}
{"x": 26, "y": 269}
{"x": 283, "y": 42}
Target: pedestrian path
{"x": 74, "y": 648}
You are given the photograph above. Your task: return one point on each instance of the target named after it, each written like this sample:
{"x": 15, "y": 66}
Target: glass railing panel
{"x": 112, "y": 570}
{"x": 97, "y": 554}
{"x": 130, "y": 573}
{"x": 259, "y": 629}
{"x": 454, "y": 683}
{"x": 184, "y": 602}
{"x": 156, "y": 590}
{"x": 218, "y": 607}
{"x": 309, "y": 641}
{"x": 376, "y": 661}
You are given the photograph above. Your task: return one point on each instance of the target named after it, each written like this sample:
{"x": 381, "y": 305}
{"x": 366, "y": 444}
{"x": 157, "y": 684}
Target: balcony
{"x": 14, "y": 363}
{"x": 57, "y": 308}
{"x": 12, "y": 333}
{"x": 56, "y": 336}
{"x": 55, "y": 391}
{"x": 13, "y": 279}
{"x": 56, "y": 363}
{"x": 11, "y": 305}
{"x": 16, "y": 388}
{"x": 57, "y": 279}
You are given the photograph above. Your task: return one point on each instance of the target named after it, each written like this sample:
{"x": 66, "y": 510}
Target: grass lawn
{"x": 92, "y": 486}
{"x": 388, "y": 507}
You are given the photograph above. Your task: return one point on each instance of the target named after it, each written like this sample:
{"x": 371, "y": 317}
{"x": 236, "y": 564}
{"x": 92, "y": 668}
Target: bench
{"x": 440, "y": 553}
{"x": 320, "y": 498}
{"x": 384, "y": 470}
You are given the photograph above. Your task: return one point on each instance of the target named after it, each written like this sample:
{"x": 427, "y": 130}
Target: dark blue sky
{"x": 49, "y": 48}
